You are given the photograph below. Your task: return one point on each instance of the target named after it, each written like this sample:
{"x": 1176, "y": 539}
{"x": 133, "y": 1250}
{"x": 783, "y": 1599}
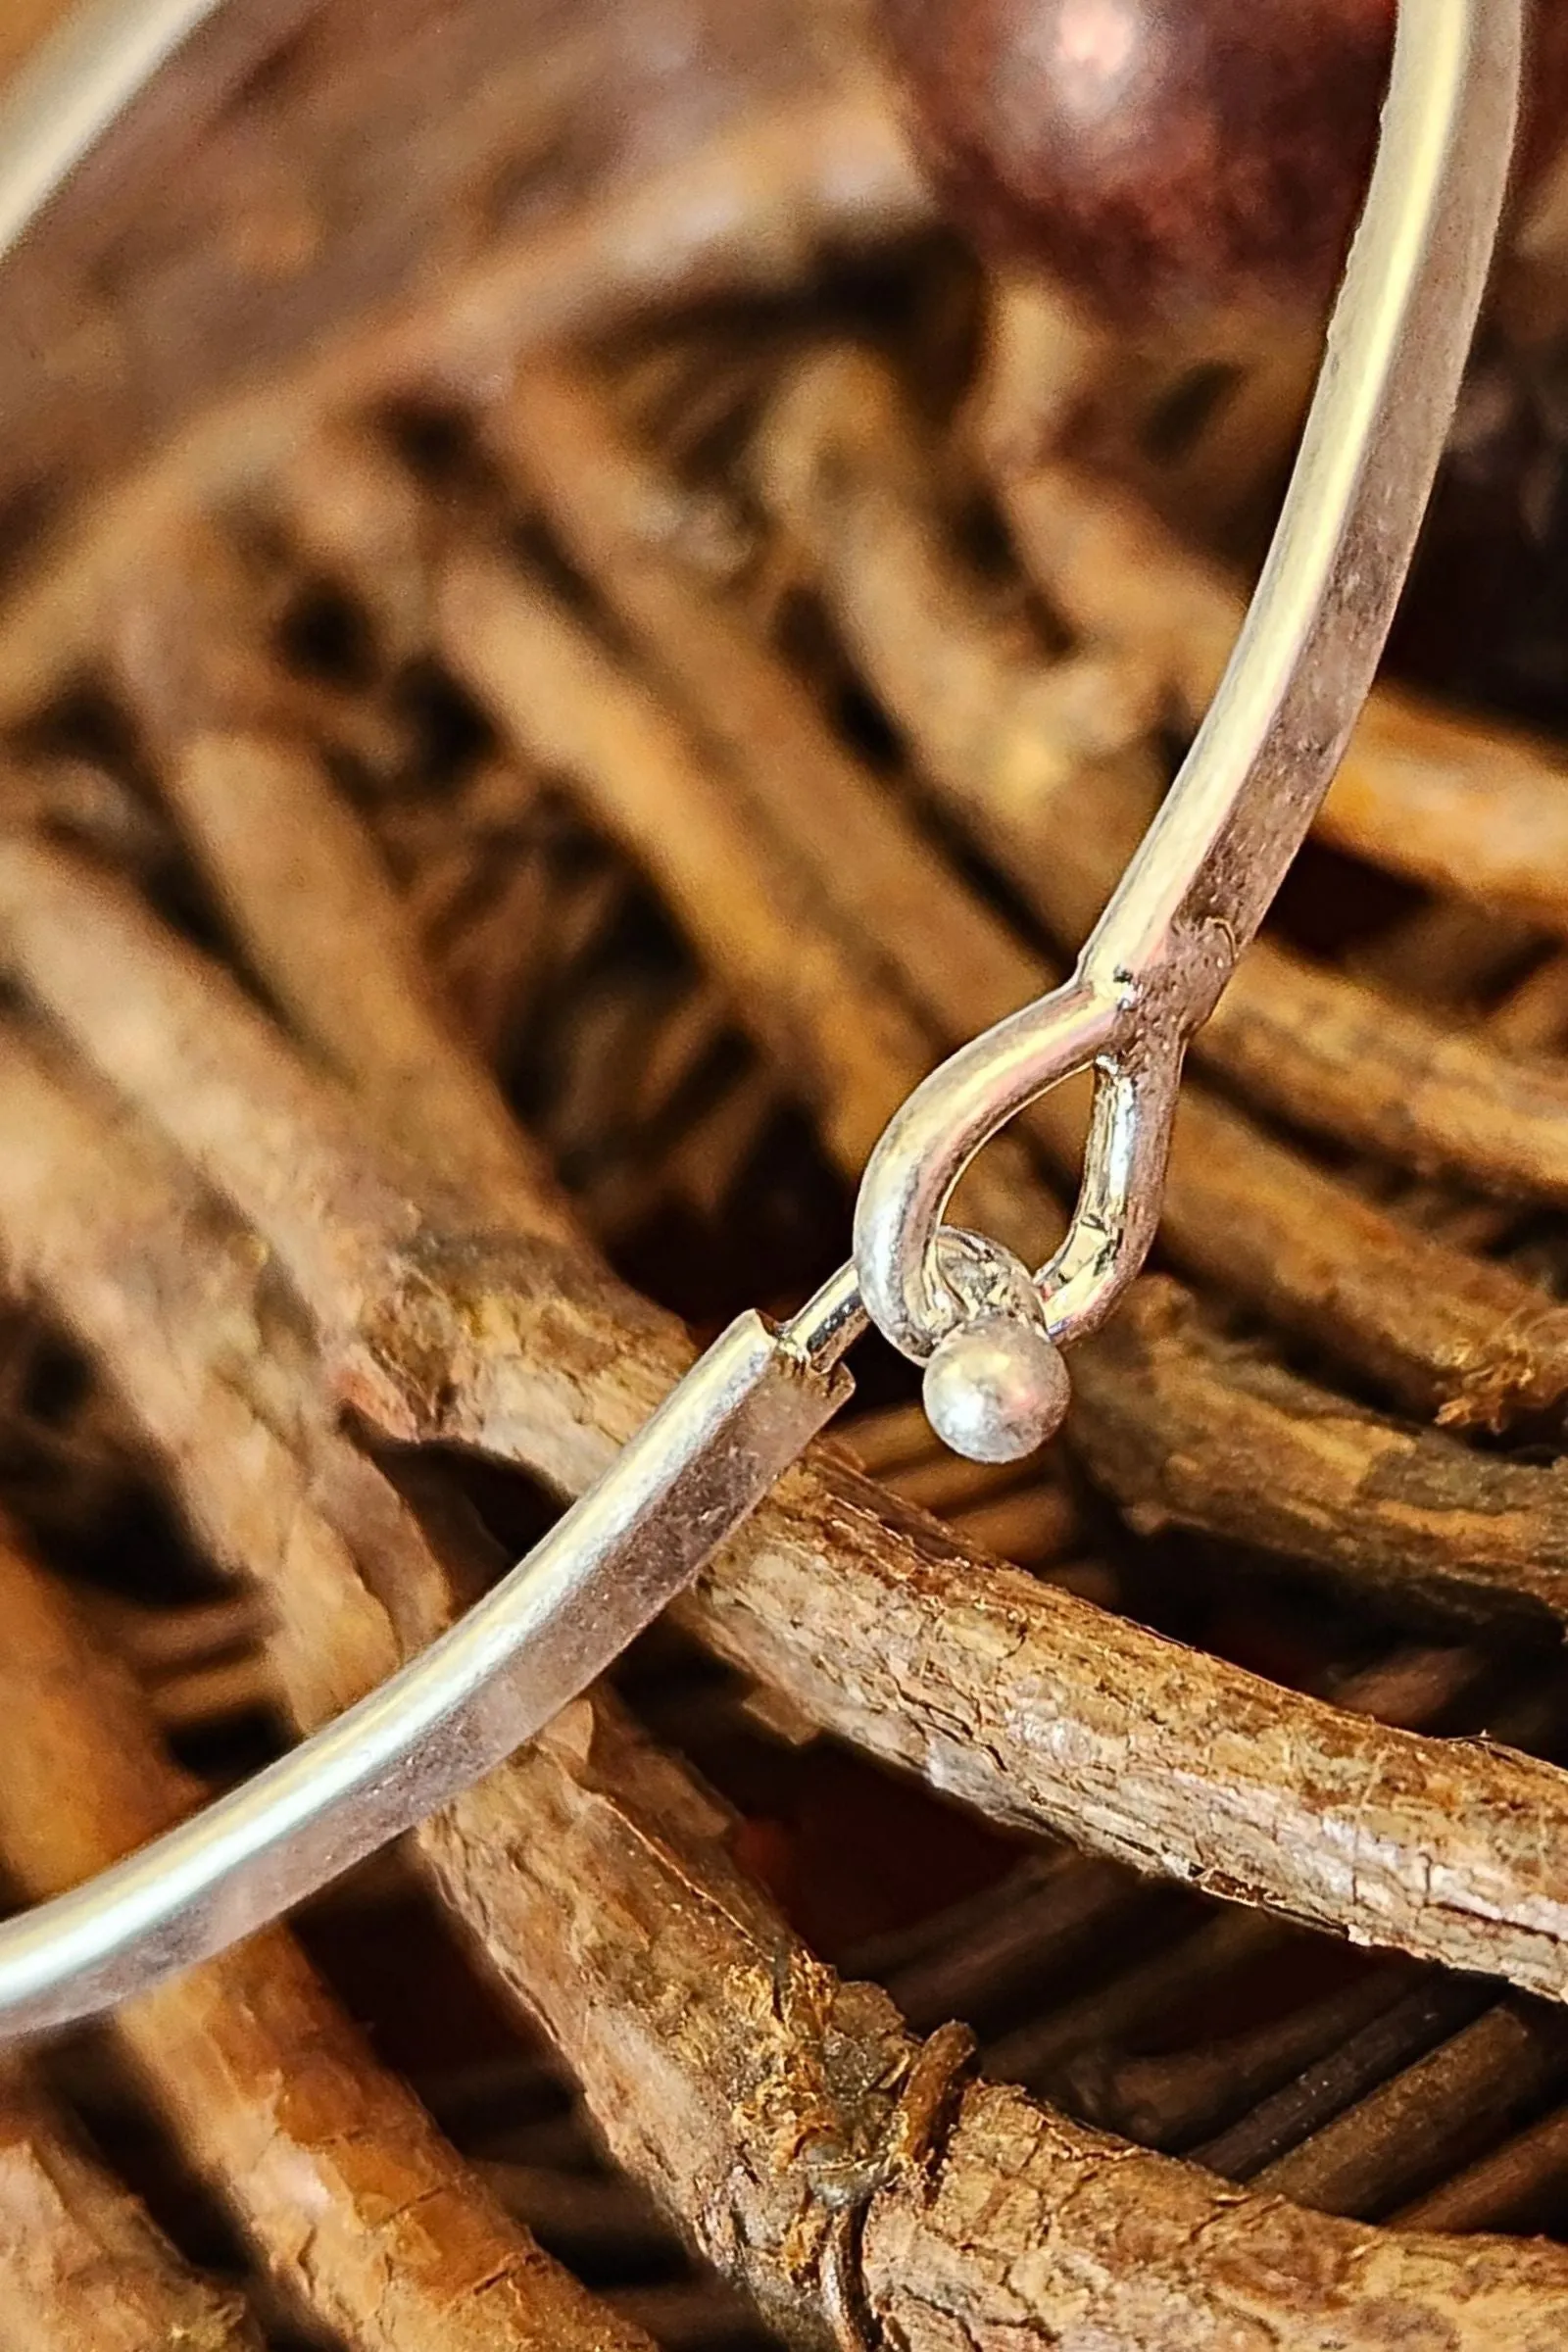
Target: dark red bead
{"x": 1167, "y": 156}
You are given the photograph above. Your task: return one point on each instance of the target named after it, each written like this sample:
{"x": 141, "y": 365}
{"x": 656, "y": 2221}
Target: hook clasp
{"x": 1258, "y": 769}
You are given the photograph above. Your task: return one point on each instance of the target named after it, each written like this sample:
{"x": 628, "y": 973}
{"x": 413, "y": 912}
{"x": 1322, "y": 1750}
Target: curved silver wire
{"x": 58, "y": 106}
{"x": 685, "y": 1482}
{"x": 1204, "y": 875}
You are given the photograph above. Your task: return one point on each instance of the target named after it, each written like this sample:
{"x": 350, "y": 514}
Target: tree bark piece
{"x": 1463, "y": 808}
{"x": 82, "y": 2267}
{"x": 939, "y": 1660}
{"x": 342, "y": 2183}
{"x": 1020, "y": 751}
{"x": 753, "y": 208}
{"x": 796, "y": 2114}
{"x": 1445, "y": 1332}
{"x": 1452, "y": 1528}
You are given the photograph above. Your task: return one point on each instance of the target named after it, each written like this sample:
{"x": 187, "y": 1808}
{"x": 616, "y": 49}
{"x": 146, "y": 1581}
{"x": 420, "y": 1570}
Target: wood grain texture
{"x": 82, "y": 2266}
{"x": 343, "y": 2184}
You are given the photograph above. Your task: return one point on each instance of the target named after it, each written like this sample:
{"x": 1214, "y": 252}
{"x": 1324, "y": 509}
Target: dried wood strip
{"x": 1025, "y": 2249}
{"x": 596, "y": 2215}
{"x": 1445, "y": 1332}
{"x": 1449, "y": 953}
{"x": 939, "y": 1660}
{"x": 1009, "y": 2175}
{"x": 82, "y": 2267}
{"x": 1172, "y": 2101}
{"x": 691, "y": 2315}
{"x": 1428, "y": 2118}
{"x": 166, "y": 1641}
{"x": 1519, "y": 2187}
{"x": 1478, "y": 811}
{"x": 851, "y": 1049}
{"x": 1386, "y": 1505}
{"x": 1534, "y": 1018}
{"x": 1037, "y": 1527}
{"x": 889, "y": 1442}
{"x": 1213, "y": 1951}
{"x": 1412, "y": 1513}
{"x": 1412, "y": 1686}
{"x": 55, "y": 1162}
{"x": 1015, "y": 1934}
{"x": 1482, "y": 1367}
{"x": 351, "y": 970}
{"x": 1342, "y": 2078}
{"x": 26, "y": 25}
{"x": 341, "y": 2182}
{"x": 752, "y": 209}
{"x": 1020, "y": 751}
{"x": 1011, "y": 1938}
{"x": 601, "y": 1884}
{"x": 202, "y": 1695}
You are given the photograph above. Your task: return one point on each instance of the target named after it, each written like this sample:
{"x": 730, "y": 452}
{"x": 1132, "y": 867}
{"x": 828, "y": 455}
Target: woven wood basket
{"x": 560, "y": 638}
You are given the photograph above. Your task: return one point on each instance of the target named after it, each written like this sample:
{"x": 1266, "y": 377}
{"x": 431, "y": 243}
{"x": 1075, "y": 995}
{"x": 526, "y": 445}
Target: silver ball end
{"x": 996, "y": 1390}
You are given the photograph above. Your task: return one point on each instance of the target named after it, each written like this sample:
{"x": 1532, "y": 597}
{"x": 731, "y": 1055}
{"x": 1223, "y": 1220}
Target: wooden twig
{"x": 1008, "y": 2169}
{"x": 852, "y": 1051}
{"x": 1458, "y": 1528}
{"x": 612, "y": 731}
{"x": 189, "y": 1265}
{"x": 194, "y": 1664}
{"x": 753, "y": 2210}
{"x": 1026, "y": 1513}
{"x": 691, "y": 2315}
{"x": 1216, "y": 1949}
{"x": 605, "y": 1817}
{"x": 1443, "y": 1331}
{"x": 1011, "y": 1938}
{"x": 1014, "y": 1934}
{"x": 1518, "y": 2187}
{"x": 1443, "y": 1518}
{"x": 202, "y": 1696}
{"x": 156, "y": 1642}
{"x": 1171, "y": 2102}
{"x": 82, "y": 2266}
{"x": 1467, "y": 809}
{"x": 594, "y": 2214}
{"x": 792, "y": 2100}
{"x": 1017, "y": 749}
{"x": 753, "y": 210}
{"x": 339, "y": 2179}
{"x": 350, "y": 969}
{"x": 1428, "y": 2118}
{"x": 939, "y": 1659}
{"x": 1299, "y": 2112}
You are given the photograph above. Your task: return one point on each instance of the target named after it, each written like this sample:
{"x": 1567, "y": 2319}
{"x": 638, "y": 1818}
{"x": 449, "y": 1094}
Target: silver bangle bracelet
{"x": 989, "y": 1331}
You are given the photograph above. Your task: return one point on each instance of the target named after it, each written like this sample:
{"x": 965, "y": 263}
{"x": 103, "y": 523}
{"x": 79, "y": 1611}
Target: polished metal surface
{"x": 1238, "y": 813}
{"x": 704, "y": 1461}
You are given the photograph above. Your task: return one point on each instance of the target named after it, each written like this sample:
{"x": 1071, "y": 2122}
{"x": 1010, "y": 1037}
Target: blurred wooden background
{"x": 23, "y": 24}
